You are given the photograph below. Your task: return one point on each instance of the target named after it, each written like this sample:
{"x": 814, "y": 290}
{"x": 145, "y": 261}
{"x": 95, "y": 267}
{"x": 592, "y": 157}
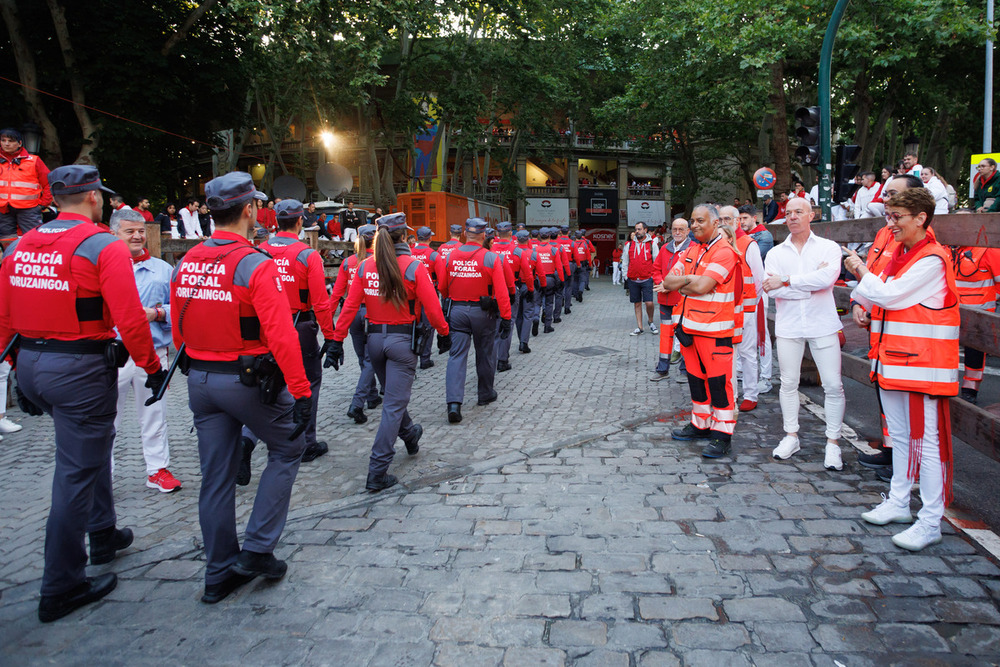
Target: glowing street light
{"x": 326, "y": 136}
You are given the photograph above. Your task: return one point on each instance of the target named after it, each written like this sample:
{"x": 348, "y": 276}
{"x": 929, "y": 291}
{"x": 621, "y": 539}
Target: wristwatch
{"x": 786, "y": 280}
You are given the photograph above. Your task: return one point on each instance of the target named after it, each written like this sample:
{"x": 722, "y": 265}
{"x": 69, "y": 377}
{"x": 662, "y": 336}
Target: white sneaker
{"x": 888, "y": 512}
{"x": 917, "y": 536}
{"x": 764, "y": 387}
{"x": 832, "y": 461}
{"x": 652, "y": 328}
{"x": 788, "y": 446}
{"x": 636, "y": 332}
{"x": 7, "y": 426}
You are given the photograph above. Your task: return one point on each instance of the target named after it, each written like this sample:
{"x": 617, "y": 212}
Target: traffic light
{"x": 845, "y": 170}
{"x": 808, "y": 134}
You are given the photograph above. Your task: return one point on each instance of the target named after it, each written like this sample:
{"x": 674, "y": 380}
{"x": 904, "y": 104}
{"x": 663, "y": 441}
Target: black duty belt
{"x": 371, "y": 328}
{"x": 228, "y": 367}
{"x": 306, "y": 316}
{"x": 472, "y": 302}
{"x": 86, "y": 346}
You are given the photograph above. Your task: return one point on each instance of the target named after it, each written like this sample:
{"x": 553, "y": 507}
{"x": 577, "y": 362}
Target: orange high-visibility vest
{"x": 749, "y": 288}
{"x": 977, "y": 284}
{"x": 916, "y": 348}
{"x": 713, "y": 314}
{"x": 19, "y": 186}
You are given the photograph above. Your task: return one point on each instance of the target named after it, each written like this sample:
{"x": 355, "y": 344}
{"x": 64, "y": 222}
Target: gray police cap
{"x": 476, "y": 225}
{"x": 232, "y": 189}
{"x": 504, "y": 227}
{"x": 288, "y": 209}
{"x": 425, "y": 233}
{"x": 73, "y": 179}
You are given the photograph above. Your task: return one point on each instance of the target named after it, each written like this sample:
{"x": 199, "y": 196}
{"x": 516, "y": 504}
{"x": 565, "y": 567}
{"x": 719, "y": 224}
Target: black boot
{"x": 253, "y": 564}
{"x": 411, "y": 441}
{"x": 380, "y": 483}
{"x": 54, "y": 607}
{"x": 454, "y": 413}
{"x": 104, "y": 544}
{"x": 523, "y": 347}
{"x": 313, "y": 452}
{"x": 534, "y": 328}
{"x": 358, "y": 415}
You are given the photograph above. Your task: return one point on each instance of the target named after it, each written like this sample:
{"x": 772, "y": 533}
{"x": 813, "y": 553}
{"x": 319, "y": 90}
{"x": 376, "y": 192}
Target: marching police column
{"x": 233, "y": 319}
{"x": 64, "y": 286}
{"x": 428, "y": 257}
{"x": 476, "y": 288}
{"x": 551, "y": 274}
{"x": 526, "y": 289}
{"x": 395, "y": 288}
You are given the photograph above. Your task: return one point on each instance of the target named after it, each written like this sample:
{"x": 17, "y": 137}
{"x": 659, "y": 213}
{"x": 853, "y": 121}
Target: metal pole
{"x": 825, "y": 152}
{"x": 988, "y": 102}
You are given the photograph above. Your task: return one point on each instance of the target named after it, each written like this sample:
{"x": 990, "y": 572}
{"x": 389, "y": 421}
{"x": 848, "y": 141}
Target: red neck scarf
{"x": 901, "y": 257}
{"x": 917, "y": 440}
{"x": 758, "y": 228}
{"x": 141, "y": 258}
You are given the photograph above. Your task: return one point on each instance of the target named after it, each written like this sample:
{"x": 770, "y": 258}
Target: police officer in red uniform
{"x": 365, "y": 389}
{"x": 567, "y": 246}
{"x": 395, "y": 288}
{"x": 476, "y": 286}
{"x": 551, "y": 274}
{"x": 524, "y": 301}
{"x": 428, "y": 257}
{"x": 304, "y": 281}
{"x": 65, "y": 286}
{"x": 504, "y": 246}
{"x": 232, "y": 317}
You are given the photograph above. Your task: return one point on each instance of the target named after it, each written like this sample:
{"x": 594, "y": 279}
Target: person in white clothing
{"x": 910, "y": 164}
{"x": 746, "y": 356}
{"x": 6, "y": 425}
{"x": 801, "y": 272}
{"x": 917, "y": 295}
{"x": 190, "y": 222}
{"x": 933, "y": 183}
{"x": 152, "y": 277}
{"x": 869, "y": 190}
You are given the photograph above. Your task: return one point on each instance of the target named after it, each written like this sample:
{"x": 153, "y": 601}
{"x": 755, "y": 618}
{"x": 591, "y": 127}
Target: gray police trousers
{"x": 81, "y": 394}
{"x": 395, "y": 365}
{"x": 365, "y": 390}
{"x": 469, "y": 325}
{"x": 221, "y": 405}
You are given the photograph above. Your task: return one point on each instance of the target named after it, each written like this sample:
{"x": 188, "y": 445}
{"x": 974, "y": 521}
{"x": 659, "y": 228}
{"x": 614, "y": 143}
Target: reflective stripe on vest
{"x": 749, "y": 288}
{"x": 713, "y": 314}
{"x": 976, "y": 287}
{"x": 21, "y": 183}
{"x": 916, "y": 348}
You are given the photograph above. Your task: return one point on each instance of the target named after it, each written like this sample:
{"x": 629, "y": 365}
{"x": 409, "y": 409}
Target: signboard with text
{"x": 546, "y": 211}
{"x": 598, "y": 205}
{"x": 650, "y": 212}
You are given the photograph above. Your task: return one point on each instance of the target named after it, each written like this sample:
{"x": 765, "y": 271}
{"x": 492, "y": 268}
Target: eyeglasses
{"x": 726, "y": 217}
{"x": 894, "y": 217}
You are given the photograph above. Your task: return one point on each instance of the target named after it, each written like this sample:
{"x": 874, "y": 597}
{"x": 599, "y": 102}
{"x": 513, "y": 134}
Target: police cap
{"x": 424, "y": 233}
{"x": 392, "y": 222}
{"x": 288, "y": 209}
{"x": 564, "y": 228}
{"x": 72, "y": 179}
{"x": 455, "y": 229}
{"x": 504, "y": 227}
{"x": 522, "y": 235}
{"x": 367, "y": 231}
{"x": 476, "y": 225}
{"x": 232, "y": 189}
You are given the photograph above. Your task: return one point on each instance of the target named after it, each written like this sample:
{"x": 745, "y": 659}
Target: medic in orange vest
{"x": 64, "y": 286}
{"x": 977, "y": 275}
{"x": 304, "y": 281}
{"x": 230, "y": 311}
{"x": 24, "y": 187}
{"x": 709, "y": 278}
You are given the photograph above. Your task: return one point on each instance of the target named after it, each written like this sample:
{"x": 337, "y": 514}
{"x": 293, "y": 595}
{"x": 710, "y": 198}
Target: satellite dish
{"x": 334, "y": 180}
{"x": 289, "y": 187}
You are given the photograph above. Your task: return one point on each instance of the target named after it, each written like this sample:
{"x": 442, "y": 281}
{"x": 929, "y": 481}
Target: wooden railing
{"x": 979, "y": 330}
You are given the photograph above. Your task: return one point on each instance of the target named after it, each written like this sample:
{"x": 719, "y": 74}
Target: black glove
{"x": 444, "y": 343}
{"x": 154, "y": 382}
{"x": 27, "y": 407}
{"x": 334, "y": 354}
{"x": 301, "y": 414}
{"x": 504, "y": 329}
{"x": 323, "y": 348}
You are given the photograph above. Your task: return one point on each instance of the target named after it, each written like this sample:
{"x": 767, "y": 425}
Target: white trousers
{"x": 152, "y": 419}
{"x": 616, "y": 277}
{"x": 767, "y": 361}
{"x": 4, "y": 374}
{"x": 896, "y": 405}
{"x": 745, "y": 357}
{"x": 825, "y": 352}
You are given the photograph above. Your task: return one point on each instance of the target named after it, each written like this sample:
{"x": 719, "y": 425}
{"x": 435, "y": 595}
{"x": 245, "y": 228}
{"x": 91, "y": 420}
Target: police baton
{"x": 170, "y": 373}
{"x": 9, "y": 350}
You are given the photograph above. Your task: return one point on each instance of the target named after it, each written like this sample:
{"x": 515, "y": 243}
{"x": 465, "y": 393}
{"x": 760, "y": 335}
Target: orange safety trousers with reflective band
{"x": 709, "y": 363}
{"x": 916, "y": 349}
{"x": 667, "y": 322}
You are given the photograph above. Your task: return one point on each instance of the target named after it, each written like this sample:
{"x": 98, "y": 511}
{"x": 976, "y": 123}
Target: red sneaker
{"x": 163, "y": 481}
{"x": 747, "y": 406}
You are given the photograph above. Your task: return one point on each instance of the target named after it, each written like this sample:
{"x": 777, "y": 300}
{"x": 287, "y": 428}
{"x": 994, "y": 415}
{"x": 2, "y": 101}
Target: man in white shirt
{"x": 869, "y": 190}
{"x": 801, "y": 272}
{"x": 190, "y": 223}
{"x": 911, "y": 165}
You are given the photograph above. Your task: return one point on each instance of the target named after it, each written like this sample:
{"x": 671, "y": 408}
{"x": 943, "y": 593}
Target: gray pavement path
{"x": 560, "y": 526}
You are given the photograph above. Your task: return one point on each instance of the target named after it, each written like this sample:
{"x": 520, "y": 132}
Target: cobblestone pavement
{"x": 560, "y": 526}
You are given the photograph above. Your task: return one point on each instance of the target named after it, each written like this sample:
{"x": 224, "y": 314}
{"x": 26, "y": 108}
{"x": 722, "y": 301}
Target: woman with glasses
{"x": 914, "y": 352}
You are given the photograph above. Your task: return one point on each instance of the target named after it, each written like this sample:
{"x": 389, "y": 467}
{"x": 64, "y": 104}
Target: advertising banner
{"x": 651, "y": 212}
{"x": 598, "y": 205}
{"x": 604, "y": 240}
{"x": 546, "y": 211}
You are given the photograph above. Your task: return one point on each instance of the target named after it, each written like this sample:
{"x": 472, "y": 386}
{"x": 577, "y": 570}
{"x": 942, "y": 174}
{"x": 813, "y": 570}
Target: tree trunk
{"x": 183, "y": 31}
{"x": 88, "y": 127}
{"x": 877, "y": 136}
{"x": 779, "y": 129}
{"x": 28, "y": 74}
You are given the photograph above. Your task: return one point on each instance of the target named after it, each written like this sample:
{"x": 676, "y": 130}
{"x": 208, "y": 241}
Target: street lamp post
{"x": 32, "y": 135}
